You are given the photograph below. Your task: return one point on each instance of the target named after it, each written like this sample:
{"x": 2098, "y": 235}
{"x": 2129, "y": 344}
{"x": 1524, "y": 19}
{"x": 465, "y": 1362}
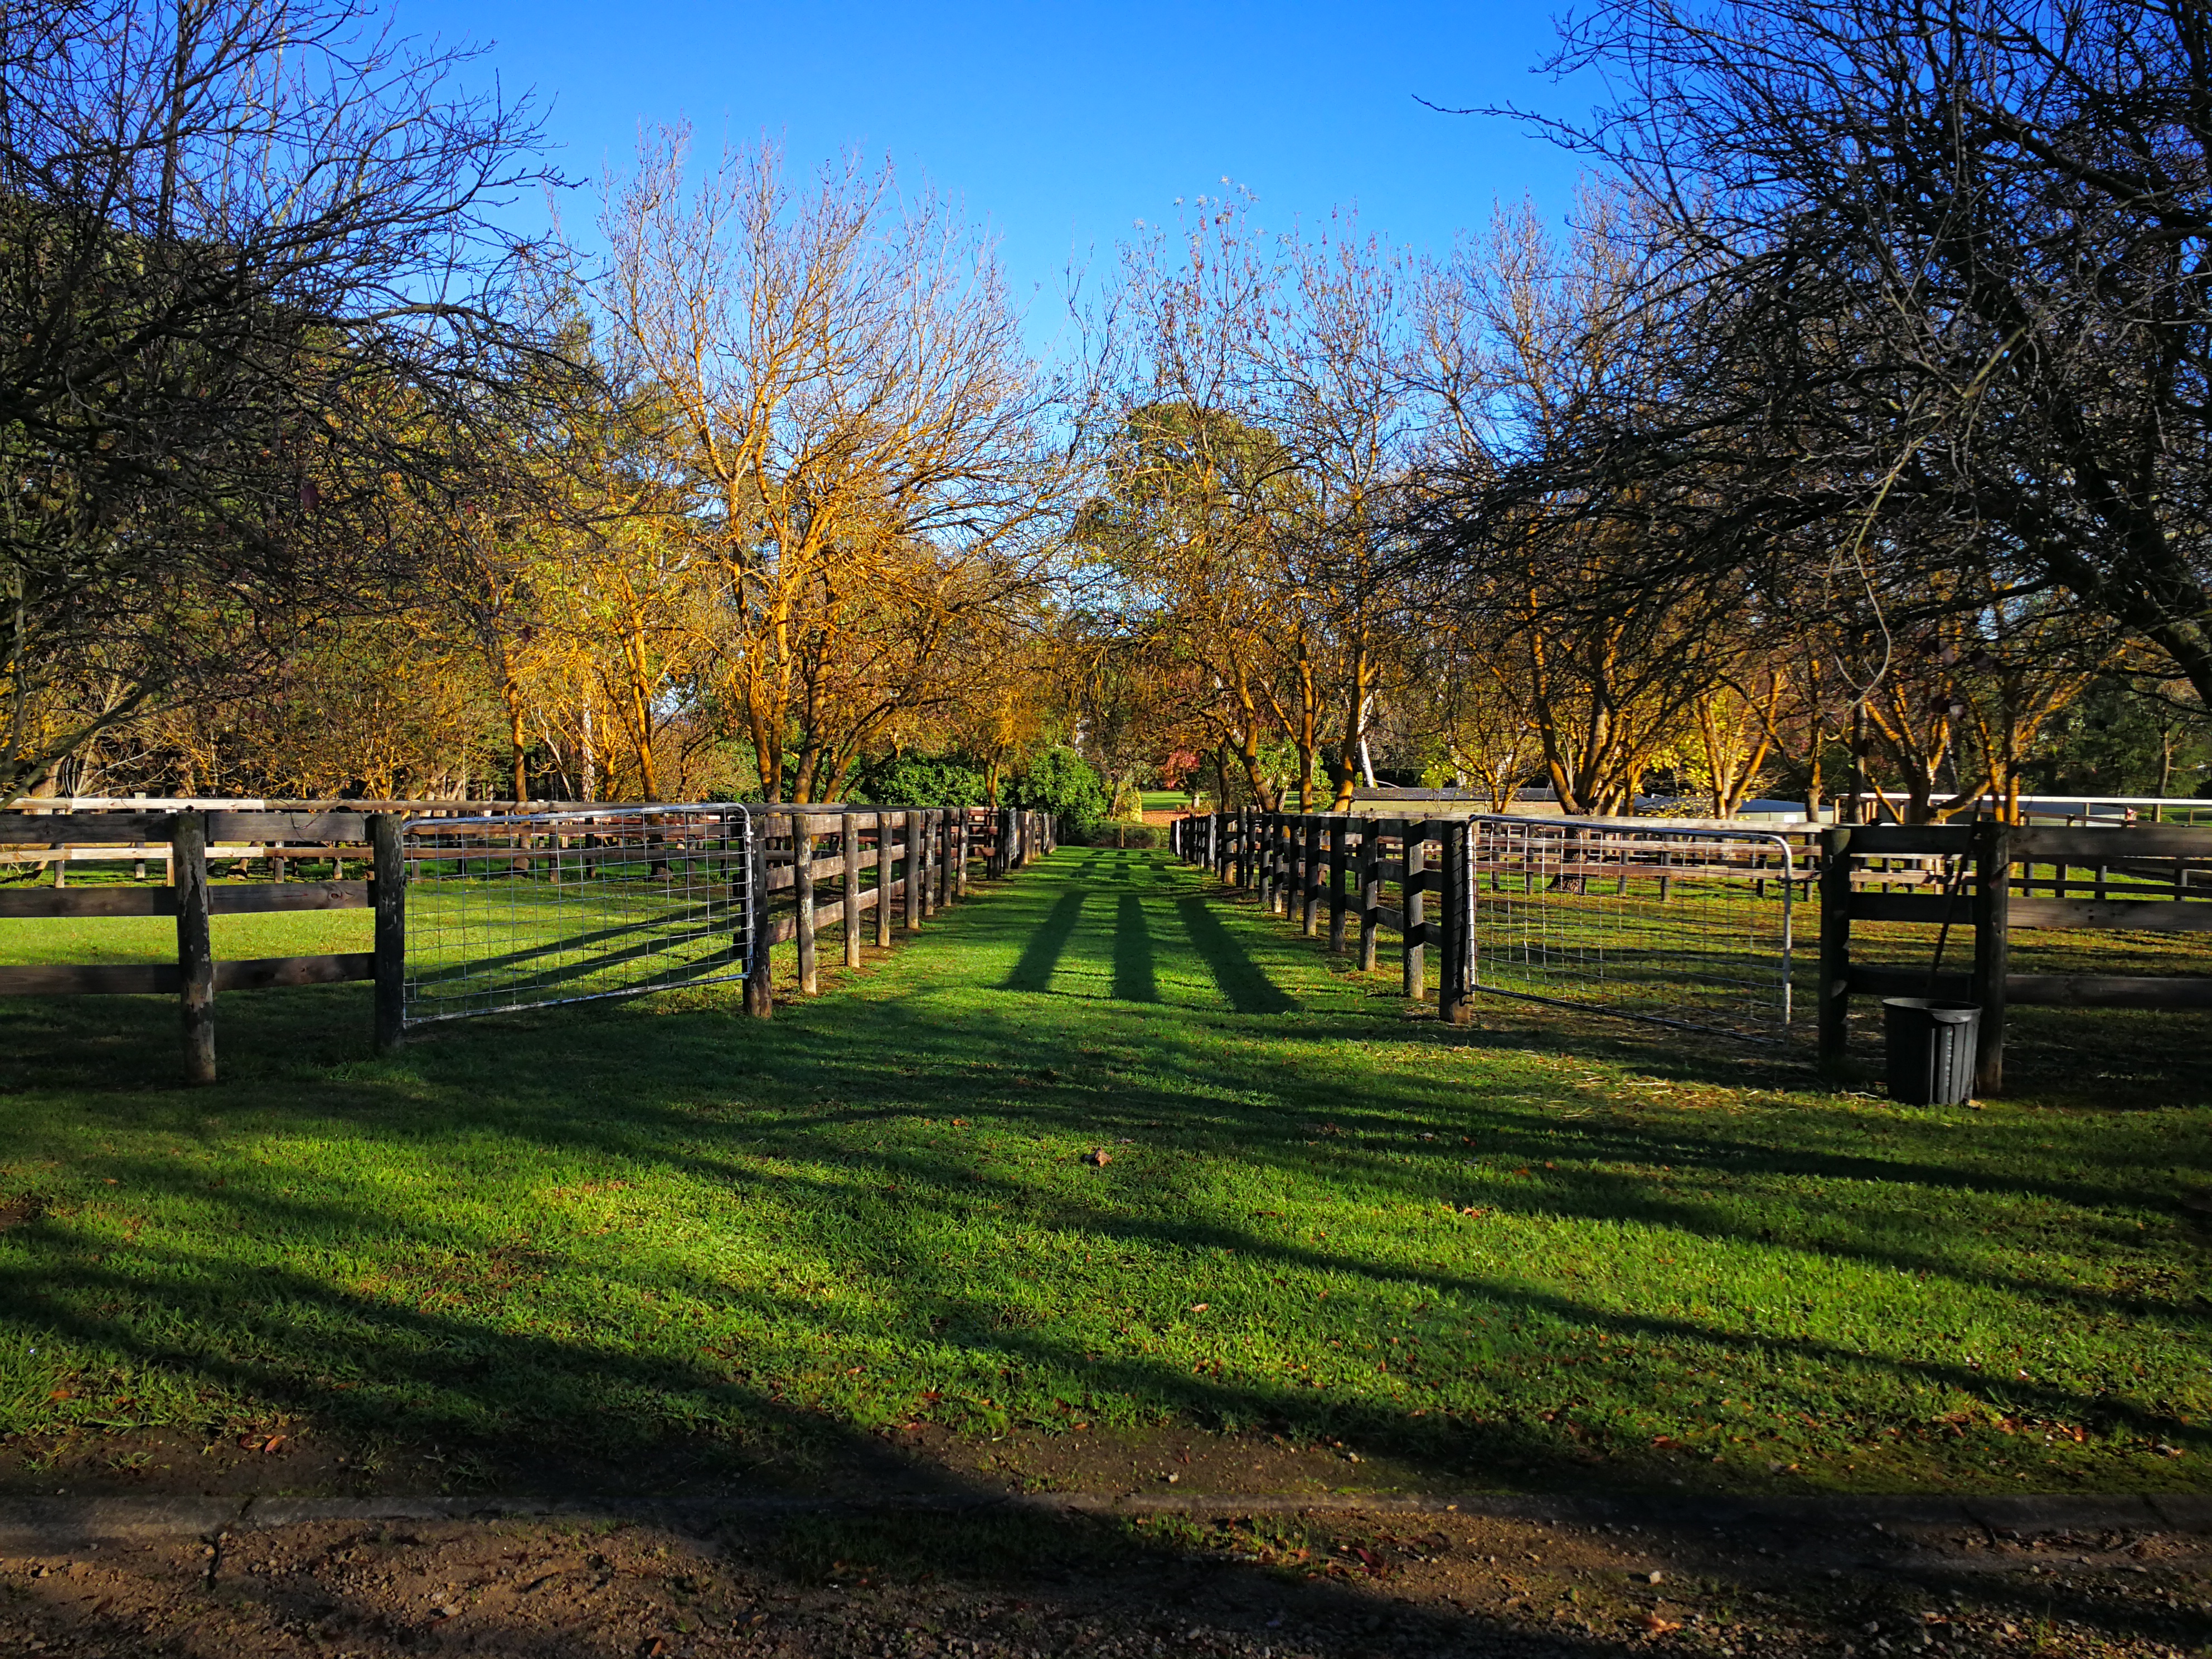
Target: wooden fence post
{"x": 1834, "y": 994}
{"x": 195, "y": 946}
{"x": 1339, "y": 829}
{"x": 910, "y": 867}
{"x": 1992, "y": 950}
{"x": 883, "y": 881}
{"x": 1412, "y": 886}
{"x": 802, "y": 893}
{"x": 925, "y": 863}
{"x": 760, "y": 975}
{"x": 388, "y": 872}
{"x": 1458, "y": 953}
{"x": 965, "y": 830}
{"x": 849, "y": 847}
{"x": 1309, "y": 869}
{"x": 1371, "y": 892}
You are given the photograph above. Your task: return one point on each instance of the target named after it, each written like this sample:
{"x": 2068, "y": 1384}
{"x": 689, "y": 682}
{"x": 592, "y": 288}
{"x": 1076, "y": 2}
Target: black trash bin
{"x": 1930, "y": 1049}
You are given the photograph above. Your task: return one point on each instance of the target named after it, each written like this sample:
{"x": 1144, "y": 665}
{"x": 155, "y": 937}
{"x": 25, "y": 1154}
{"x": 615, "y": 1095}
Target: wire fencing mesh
{"x": 525, "y": 910}
{"x": 1687, "y": 928}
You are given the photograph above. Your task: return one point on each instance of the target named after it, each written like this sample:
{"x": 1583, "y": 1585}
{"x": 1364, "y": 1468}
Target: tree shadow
{"x": 912, "y": 1516}
{"x": 762, "y": 1118}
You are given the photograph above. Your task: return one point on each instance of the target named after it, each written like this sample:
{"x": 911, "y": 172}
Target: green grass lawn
{"x": 1545, "y": 1251}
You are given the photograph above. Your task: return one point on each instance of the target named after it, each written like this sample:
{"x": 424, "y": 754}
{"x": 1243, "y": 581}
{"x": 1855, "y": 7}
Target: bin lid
{"x": 1949, "y": 1013}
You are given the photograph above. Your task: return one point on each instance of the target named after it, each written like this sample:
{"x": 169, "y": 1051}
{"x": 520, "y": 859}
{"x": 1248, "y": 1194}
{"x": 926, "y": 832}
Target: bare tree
{"x": 250, "y": 318}
{"x": 1566, "y": 594}
{"x": 1943, "y": 261}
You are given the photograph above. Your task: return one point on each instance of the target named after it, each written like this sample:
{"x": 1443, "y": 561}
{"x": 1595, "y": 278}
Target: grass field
{"x": 1542, "y": 1252}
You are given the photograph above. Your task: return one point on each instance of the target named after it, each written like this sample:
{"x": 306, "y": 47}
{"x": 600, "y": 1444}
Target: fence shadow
{"x": 1046, "y": 945}
{"x": 1135, "y": 978}
{"x": 1241, "y": 982}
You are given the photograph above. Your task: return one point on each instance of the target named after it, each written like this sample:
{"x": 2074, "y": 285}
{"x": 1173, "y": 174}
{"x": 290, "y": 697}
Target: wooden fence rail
{"x": 1988, "y": 899}
{"x": 918, "y": 859}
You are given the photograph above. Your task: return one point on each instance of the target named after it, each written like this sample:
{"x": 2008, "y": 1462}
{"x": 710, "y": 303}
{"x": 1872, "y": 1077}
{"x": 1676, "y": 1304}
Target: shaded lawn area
{"x": 1543, "y": 1252}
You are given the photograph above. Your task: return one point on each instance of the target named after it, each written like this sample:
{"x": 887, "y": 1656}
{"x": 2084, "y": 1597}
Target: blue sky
{"x": 1061, "y": 124}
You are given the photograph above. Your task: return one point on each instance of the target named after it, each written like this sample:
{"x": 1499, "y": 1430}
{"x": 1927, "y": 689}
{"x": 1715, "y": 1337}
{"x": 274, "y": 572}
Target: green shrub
{"x": 922, "y": 781}
{"x": 1061, "y": 783}
{"x": 1112, "y": 832}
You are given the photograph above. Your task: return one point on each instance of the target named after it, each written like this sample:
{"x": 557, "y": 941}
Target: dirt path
{"x": 1044, "y": 1577}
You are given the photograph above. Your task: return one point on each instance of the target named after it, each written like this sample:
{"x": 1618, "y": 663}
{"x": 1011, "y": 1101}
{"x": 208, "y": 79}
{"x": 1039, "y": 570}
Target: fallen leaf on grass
{"x": 1652, "y": 1625}
{"x": 1098, "y": 1158}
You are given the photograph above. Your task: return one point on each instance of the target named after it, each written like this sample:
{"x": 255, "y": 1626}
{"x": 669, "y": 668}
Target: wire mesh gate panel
{"x": 525, "y": 910}
{"x": 1688, "y": 927}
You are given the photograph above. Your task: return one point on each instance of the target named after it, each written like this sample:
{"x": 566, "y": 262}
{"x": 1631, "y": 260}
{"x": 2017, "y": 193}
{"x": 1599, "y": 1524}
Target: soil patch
{"x": 1029, "y": 1580}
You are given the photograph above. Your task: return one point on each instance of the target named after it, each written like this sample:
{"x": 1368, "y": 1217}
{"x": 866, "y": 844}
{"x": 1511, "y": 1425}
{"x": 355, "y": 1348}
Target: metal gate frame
{"x": 605, "y": 837}
{"x": 1655, "y": 835}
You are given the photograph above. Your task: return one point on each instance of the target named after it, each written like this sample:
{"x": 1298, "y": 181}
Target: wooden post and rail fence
{"x": 1336, "y": 871}
{"x": 921, "y": 859}
{"x": 2142, "y": 878}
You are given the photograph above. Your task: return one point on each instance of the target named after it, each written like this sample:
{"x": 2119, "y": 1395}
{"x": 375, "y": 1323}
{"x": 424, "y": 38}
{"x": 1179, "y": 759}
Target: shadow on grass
{"x": 419, "y": 1314}
{"x": 1046, "y": 945}
{"x": 429, "y": 1369}
{"x": 1249, "y": 990}
{"x": 1135, "y": 978}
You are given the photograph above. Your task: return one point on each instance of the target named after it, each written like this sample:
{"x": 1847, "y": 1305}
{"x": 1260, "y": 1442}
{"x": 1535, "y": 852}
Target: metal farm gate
{"x": 1684, "y": 926}
{"x": 526, "y": 910}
